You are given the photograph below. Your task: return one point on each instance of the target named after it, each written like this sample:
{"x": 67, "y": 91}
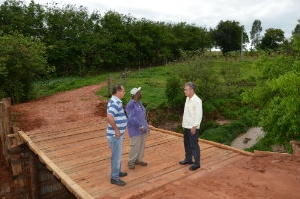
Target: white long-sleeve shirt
{"x": 193, "y": 112}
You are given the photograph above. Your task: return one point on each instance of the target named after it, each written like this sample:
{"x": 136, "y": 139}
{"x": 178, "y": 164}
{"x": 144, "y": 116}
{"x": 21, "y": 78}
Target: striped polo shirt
{"x": 115, "y": 108}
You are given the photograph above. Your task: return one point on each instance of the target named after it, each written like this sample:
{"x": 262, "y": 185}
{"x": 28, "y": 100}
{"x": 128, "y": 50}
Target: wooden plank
{"x": 53, "y": 130}
{"x": 76, "y": 146}
{"x": 66, "y": 135}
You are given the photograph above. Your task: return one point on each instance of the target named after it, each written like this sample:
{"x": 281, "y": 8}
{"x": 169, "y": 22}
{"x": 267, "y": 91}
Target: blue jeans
{"x": 116, "y": 145}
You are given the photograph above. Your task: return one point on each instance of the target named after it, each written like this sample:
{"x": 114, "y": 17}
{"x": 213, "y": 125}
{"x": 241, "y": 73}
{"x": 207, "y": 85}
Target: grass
{"x": 153, "y": 83}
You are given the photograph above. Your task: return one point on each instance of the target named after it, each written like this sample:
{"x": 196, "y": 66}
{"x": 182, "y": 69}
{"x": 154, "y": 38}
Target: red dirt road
{"x": 274, "y": 177}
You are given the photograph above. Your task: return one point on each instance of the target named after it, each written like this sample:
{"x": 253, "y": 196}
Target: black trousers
{"x": 191, "y": 146}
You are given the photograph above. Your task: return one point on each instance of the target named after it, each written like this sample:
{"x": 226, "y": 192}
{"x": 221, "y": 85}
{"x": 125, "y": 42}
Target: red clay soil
{"x": 275, "y": 177}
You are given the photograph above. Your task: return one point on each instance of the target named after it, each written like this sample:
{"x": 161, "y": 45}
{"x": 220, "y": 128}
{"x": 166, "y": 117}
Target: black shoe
{"x": 117, "y": 182}
{"x": 122, "y": 174}
{"x": 184, "y": 162}
{"x": 194, "y": 167}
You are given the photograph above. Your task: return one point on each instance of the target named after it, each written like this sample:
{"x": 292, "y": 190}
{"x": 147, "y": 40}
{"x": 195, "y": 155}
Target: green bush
{"x": 216, "y": 135}
{"x": 174, "y": 92}
{"x": 262, "y": 145}
{"x": 224, "y": 134}
{"x": 249, "y": 116}
{"x": 22, "y": 61}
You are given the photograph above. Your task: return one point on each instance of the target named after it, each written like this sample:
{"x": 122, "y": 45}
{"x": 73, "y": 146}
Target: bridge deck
{"x": 79, "y": 155}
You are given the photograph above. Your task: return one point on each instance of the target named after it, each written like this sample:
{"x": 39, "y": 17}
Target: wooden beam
{"x": 206, "y": 141}
{"x": 5, "y": 127}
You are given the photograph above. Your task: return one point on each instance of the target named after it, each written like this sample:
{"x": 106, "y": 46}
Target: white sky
{"x": 279, "y": 14}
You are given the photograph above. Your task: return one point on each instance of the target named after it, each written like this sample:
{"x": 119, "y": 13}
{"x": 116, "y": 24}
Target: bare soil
{"x": 275, "y": 176}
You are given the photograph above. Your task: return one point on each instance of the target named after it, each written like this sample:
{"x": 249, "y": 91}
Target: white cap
{"x": 134, "y": 91}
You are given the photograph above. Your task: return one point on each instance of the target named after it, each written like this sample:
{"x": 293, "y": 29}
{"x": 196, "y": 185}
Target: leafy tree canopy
{"x": 229, "y": 35}
{"x": 22, "y": 60}
{"x": 272, "y": 39}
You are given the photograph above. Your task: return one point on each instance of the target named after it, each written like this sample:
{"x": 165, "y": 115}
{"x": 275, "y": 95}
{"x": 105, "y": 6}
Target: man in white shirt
{"x": 192, "y": 117}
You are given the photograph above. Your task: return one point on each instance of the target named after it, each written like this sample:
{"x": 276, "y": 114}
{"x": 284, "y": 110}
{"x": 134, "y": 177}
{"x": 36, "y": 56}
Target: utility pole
{"x": 242, "y": 42}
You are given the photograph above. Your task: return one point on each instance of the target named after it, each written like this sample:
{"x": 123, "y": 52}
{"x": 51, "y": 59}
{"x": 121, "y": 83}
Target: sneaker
{"x": 117, "y": 182}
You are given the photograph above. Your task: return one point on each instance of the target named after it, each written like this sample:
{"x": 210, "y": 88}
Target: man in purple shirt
{"x": 137, "y": 128}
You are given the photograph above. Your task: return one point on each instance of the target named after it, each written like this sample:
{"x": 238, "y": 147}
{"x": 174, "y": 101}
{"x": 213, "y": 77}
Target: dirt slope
{"x": 276, "y": 177}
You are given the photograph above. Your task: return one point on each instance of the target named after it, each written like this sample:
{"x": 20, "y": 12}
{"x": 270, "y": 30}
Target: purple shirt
{"x": 136, "y": 114}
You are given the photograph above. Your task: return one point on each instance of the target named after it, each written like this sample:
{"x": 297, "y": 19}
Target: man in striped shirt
{"x": 117, "y": 122}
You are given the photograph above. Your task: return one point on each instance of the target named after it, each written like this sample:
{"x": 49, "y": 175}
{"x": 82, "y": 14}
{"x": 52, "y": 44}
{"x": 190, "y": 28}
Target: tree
{"x": 227, "y": 36}
{"x": 277, "y": 96}
{"x": 296, "y": 31}
{"x": 272, "y": 39}
{"x": 296, "y": 38}
{"x": 22, "y": 60}
{"x": 119, "y": 50}
{"x": 68, "y": 29}
{"x": 16, "y": 16}
{"x": 255, "y": 33}
{"x": 12, "y": 14}
{"x": 34, "y": 20}
{"x": 192, "y": 38}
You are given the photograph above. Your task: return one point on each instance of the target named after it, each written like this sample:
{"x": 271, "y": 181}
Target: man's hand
{"x": 118, "y": 134}
{"x": 143, "y": 129}
{"x": 193, "y": 130}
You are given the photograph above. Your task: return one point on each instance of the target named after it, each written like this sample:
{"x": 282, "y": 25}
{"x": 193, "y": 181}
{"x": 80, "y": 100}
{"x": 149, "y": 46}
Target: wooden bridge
{"x": 78, "y": 155}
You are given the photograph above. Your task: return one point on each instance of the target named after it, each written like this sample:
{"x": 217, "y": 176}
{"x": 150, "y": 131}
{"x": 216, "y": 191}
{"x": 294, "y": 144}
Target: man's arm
{"x": 198, "y": 116}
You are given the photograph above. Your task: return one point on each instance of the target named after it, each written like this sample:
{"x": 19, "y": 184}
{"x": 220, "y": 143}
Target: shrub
{"x": 174, "y": 92}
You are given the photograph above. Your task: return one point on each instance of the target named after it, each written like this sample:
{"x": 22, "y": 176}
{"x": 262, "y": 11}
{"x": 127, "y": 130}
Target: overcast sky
{"x": 279, "y": 14}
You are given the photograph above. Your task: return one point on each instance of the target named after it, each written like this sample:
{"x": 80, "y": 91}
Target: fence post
{"x": 125, "y": 76}
{"x": 108, "y": 84}
{"x": 5, "y": 127}
{"x": 121, "y": 76}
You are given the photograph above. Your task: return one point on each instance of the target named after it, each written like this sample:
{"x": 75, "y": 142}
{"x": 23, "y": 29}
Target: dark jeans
{"x": 191, "y": 146}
